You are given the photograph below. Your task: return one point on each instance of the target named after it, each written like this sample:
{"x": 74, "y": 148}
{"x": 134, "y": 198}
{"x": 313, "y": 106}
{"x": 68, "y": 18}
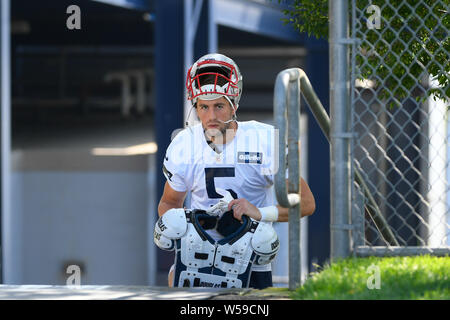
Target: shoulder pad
{"x": 172, "y": 224}
{"x": 265, "y": 243}
{"x": 163, "y": 242}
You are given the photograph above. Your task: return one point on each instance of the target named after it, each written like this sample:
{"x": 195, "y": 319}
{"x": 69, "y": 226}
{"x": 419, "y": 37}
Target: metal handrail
{"x": 289, "y": 85}
{"x": 287, "y": 94}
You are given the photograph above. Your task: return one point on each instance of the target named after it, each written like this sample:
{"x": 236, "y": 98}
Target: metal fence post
{"x": 340, "y": 136}
{"x": 294, "y": 181}
{"x": 7, "y": 237}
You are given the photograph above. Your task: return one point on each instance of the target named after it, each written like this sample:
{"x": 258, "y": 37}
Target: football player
{"x": 222, "y": 156}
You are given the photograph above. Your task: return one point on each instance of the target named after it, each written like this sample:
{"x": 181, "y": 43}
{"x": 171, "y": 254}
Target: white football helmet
{"x": 224, "y": 80}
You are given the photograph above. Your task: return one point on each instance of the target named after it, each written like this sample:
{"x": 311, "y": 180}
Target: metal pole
{"x": 340, "y": 135}
{"x": 188, "y": 50}
{"x": 437, "y": 164}
{"x": 287, "y": 105}
{"x": 192, "y": 10}
{"x": 295, "y": 271}
{"x": 213, "y": 27}
{"x": 5, "y": 139}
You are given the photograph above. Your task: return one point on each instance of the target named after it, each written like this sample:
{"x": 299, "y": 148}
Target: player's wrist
{"x": 269, "y": 214}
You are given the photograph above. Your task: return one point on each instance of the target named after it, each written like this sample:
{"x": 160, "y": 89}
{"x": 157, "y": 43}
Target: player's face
{"x": 212, "y": 114}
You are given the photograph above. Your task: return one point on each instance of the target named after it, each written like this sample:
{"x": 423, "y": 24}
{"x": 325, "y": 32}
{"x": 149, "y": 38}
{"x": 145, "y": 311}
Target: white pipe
{"x": 437, "y": 159}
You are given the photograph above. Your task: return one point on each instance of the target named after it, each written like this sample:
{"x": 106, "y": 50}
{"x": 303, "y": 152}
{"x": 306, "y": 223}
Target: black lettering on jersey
{"x": 210, "y": 174}
{"x": 167, "y": 173}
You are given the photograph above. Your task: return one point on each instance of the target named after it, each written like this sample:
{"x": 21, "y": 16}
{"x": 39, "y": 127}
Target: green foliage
{"x": 309, "y": 16}
{"x": 412, "y": 41}
{"x": 411, "y": 278}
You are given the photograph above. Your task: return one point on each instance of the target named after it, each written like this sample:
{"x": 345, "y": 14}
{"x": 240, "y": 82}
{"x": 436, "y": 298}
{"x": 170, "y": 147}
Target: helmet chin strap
{"x": 189, "y": 115}
{"x": 233, "y": 118}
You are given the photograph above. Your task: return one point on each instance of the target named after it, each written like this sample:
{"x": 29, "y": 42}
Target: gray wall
{"x": 70, "y": 207}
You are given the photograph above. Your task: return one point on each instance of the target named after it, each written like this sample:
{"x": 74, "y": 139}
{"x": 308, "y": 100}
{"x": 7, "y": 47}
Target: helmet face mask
{"x": 214, "y": 76}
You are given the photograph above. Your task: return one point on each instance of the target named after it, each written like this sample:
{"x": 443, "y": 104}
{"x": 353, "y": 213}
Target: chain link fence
{"x": 400, "y": 75}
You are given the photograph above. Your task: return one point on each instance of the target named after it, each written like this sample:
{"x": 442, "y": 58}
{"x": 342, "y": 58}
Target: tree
{"x": 411, "y": 41}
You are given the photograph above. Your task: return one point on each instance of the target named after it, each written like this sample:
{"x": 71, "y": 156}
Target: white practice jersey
{"x": 245, "y": 167}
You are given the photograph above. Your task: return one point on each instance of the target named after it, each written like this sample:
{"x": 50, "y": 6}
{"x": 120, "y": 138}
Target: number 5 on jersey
{"x": 210, "y": 174}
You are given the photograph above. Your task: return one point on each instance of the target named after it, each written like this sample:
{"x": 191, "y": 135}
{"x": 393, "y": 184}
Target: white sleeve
{"x": 174, "y": 178}
{"x": 175, "y": 164}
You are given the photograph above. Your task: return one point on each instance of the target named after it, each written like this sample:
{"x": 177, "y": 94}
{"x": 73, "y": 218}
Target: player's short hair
{"x": 211, "y": 78}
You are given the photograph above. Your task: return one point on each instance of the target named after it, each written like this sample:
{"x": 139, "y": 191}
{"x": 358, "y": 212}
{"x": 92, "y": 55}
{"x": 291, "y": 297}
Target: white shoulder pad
{"x": 172, "y": 224}
{"x": 163, "y": 242}
{"x": 265, "y": 243}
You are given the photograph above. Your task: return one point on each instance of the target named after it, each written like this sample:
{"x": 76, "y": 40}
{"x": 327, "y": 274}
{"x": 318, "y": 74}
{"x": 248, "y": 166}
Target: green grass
{"x": 421, "y": 277}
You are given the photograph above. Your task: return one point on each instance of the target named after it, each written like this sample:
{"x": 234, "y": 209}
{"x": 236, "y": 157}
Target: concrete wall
{"x": 70, "y": 207}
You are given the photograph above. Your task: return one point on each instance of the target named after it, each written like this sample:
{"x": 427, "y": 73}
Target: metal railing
{"x": 287, "y": 105}
{"x": 290, "y": 84}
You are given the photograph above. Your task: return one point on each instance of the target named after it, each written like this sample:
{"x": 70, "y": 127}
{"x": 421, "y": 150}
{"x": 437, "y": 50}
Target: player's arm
{"x": 243, "y": 206}
{"x": 170, "y": 199}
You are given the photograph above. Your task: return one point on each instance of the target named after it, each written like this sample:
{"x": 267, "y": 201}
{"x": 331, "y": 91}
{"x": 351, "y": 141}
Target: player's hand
{"x": 242, "y": 206}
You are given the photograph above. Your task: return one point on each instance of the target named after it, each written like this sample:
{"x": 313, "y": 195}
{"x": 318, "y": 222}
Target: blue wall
{"x": 317, "y": 69}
